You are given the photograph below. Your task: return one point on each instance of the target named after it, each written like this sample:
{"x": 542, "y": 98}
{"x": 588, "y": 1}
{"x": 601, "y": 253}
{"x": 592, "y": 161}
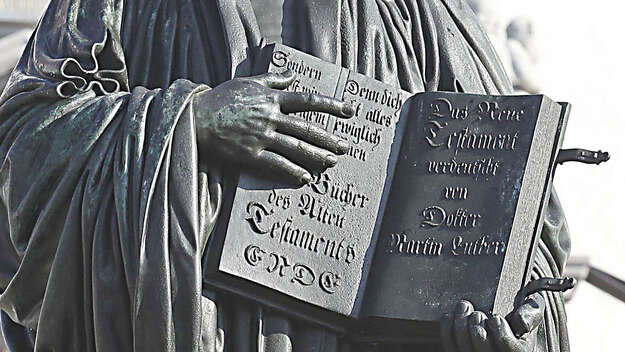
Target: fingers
{"x": 291, "y": 102}
{"x": 461, "y": 326}
{"x": 500, "y": 333}
{"x": 447, "y": 333}
{"x": 528, "y": 316}
{"x": 310, "y": 133}
{"x": 467, "y": 330}
{"x": 303, "y": 153}
{"x": 283, "y": 168}
{"x": 274, "y": 80}
{"x": 477, "y": 331}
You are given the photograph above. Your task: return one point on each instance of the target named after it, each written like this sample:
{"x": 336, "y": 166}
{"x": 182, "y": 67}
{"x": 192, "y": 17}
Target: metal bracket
{"x": 582, "y": 156}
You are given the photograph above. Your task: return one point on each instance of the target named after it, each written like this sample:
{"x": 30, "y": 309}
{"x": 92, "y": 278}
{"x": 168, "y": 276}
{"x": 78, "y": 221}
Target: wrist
{"x": 201, "y": 117}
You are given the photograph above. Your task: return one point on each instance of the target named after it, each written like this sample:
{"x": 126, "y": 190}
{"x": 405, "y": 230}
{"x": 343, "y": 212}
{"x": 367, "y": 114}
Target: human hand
{"x": 244, "y": 122}
{"x": 467, "y": 330}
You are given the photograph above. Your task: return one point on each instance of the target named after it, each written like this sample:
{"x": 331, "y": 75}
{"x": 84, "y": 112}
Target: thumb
{"x": 275, "y": 80}
{"x": 528, "y": 316}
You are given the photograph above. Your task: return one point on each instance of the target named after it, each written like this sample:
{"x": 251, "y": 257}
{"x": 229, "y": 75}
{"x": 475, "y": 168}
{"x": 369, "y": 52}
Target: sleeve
{"x": 100, "y": 240}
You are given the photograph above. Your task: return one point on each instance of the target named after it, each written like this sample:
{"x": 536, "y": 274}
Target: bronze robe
{"x": 106, "y": 213}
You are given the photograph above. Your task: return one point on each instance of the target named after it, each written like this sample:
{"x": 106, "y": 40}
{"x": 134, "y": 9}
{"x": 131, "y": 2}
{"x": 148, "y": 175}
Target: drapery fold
{"x": 105, "y": 210}
{"x": 100, "y": 187}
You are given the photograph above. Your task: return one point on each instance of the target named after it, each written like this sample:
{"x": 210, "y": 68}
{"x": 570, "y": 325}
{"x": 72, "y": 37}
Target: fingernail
{"x": 343, "y": 146}
{"x": 331, "y": 160}
{"x": 349, "y": 110}
{"x": 287, "y": 73}
{"x": 306, "y": 179}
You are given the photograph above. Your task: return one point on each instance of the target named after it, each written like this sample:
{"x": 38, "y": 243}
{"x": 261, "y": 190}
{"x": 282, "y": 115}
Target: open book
{"x": 440, "y": 198}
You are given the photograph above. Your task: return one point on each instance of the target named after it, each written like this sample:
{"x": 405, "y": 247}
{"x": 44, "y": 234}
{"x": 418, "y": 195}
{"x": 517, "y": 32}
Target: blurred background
{"x": 570, "y": 50}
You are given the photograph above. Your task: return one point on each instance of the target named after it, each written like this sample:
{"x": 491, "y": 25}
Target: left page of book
{"x": 312, "y": 242}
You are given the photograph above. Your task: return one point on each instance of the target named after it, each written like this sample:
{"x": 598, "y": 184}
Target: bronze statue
{"x": 123, "y": 124}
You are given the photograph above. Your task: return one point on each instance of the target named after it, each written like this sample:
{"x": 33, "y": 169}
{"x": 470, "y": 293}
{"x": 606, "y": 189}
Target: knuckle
{"x": 334, "y": 139}
{"x": 269, "y": 138}
{"x": 308, "y": 98}
{"x": 256, "y": 126}
{"x": 270, "y": 115}
{"x": 251, "y": 150}
{"x": 475, "y": 318}
{"x": 338, "y": 105}
{"x": 478, "y": 333}
{"x": 509, "y": 341}
{"x": 276, "y": 108}
{"x": 301, "y": 146}
{"x": 274, "y": 98}
{"x": 314, "y": 98}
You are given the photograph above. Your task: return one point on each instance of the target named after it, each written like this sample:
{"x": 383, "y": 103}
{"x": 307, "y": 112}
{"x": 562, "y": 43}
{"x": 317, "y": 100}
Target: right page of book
{"x": 463, "y": 207}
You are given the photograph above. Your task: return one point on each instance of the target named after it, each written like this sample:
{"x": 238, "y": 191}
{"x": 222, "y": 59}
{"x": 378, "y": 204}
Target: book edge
{"x": 529, "y": 214}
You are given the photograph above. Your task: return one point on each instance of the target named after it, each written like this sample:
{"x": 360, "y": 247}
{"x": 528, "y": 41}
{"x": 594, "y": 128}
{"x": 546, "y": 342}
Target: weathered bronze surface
{"x": 313, "y": 242}
{"x": 465, "y": 207}
{"x": 466, "y": 204}
{"x": 123, "y": 127}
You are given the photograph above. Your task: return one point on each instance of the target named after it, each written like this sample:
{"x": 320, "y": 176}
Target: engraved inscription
{"x": 442, "y": 112}
{"x": 456, "y": 193}
{"x": 298, "y": 273}
{"x": 479, "y": 167}
{"x": 281, "y": 59}
{"x": 402, "y": 245}
{"x": 253, "y": 255}
{"x": 346, "y": 194}
{"x": 431, "y": 247}
{"x": 357, "y": 133}
{"x": 280, "y": 201}
{"x": 314, "y": 209}
{"x": 314, "y": 237}
{"x": 386, "y": 98}
{"x": 442, "y": 108}
{"x": 481, "y": 246}
{"x": 473, "y": 140}
{"x": 435, "y": 216}
{"x": 280, "y": 263}
{"x": 432, "y": 130}
{"x": 470, "y": 139}
{"x": 329, "y": 282}
{"x": 285, "y": 232}
{"x": 492, "y": 110}
{"x": 303, "y": 274}
{"x": 256, "y": 214}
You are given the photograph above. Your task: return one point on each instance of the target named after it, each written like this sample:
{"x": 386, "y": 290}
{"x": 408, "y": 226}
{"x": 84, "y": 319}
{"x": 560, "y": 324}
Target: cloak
{"x": 105, "y": 211}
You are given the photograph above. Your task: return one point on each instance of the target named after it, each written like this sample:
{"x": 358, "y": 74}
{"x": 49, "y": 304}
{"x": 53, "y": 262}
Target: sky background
{"x": 582, "y": 61}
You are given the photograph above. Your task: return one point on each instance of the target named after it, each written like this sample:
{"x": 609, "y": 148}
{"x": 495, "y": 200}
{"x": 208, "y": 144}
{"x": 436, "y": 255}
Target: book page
{"x": 311, "y": 243}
